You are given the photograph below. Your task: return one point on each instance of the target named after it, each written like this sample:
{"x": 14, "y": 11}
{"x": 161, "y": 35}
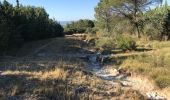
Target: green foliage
{"x": 166, "y": 26}
{"x": 105, "y": 43}
{"x": 107, "y": 11}
{"x": 120, "y": 42}
{"x": 25, "y": 23}
{"x": 125, "y": 43}
{"x": 154, "y": 22}
{"x": 80, "y": 26}
{"x": 8, "y": 35}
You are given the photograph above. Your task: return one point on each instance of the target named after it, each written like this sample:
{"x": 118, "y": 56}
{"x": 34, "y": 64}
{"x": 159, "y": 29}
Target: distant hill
{"x": 63, "y": 23}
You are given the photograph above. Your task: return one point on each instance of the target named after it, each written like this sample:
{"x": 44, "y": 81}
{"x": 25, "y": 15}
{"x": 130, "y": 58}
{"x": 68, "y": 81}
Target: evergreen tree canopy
{"x": 25, "y": 23}
{"x": 127, "y": 9}
{"x": 80, "y": 26}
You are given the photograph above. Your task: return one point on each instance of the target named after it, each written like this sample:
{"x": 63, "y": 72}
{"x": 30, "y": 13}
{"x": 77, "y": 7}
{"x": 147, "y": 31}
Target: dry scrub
{"x": 156, "y": 65}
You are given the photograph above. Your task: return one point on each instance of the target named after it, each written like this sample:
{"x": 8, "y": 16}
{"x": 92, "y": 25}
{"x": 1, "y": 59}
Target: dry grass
{"x": 57, "y": 73}
{"x": 156, "y": 65}
{"x": 53, "y": 78}
{"x": 57, "y": 82}
{"x": 48, "y": 77}
{"x": 153, "y": 44}
{"x": 133, "y": 95}
{"x": 46, "y": 82}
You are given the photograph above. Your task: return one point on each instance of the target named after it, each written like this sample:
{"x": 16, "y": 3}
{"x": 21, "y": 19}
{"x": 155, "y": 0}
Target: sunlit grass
{"x": 156, "y": 65}
{"x": 57, "y": 81}
{"x": 153, "y": 44}
{"x": 53, "y": 74}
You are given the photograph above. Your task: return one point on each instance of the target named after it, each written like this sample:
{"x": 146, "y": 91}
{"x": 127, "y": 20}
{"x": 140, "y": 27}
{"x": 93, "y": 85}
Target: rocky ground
{"x": 126, "y": 80}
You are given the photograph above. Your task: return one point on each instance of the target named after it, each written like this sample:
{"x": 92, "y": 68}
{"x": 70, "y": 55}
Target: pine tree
{"x": 17, "y": 1}
{"x": 127, "y": 9}
{"x": 166, "y": 26}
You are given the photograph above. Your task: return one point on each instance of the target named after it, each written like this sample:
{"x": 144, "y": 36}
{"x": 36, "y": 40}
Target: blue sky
{"x": 64, "y": 10}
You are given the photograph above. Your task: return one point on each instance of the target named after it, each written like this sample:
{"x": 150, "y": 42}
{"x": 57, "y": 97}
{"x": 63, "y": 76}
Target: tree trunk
{"x": 135, "y": 19}
{"x": 107, "y": 29}
{"x": 168, "y": 37}
{"x": 138, "y": 30}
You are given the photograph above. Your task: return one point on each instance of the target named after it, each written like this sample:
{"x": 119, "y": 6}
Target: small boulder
{"x": 155, "y": 96}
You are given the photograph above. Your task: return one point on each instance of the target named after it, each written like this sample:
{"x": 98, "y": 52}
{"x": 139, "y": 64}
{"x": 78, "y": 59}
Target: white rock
{"x": 155, "y": 96}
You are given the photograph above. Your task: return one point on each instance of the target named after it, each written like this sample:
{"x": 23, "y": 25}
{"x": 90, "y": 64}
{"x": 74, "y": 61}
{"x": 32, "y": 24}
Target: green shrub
{"x": 91, "y": 30}
{"x": 80, "y": 26}
{"x": 125, "y": 43}
{"x": 105, "y": 43}
{"x": 120, "y": 42}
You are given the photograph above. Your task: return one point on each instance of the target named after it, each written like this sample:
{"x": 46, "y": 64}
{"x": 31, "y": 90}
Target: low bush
{"x": 125, "y": 43}
{"x": 105, "y": 43}
{"x": 120, "y": 42}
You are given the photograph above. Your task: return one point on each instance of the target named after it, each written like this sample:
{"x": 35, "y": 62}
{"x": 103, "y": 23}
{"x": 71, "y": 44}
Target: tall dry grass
{"x": 155, "y": 65}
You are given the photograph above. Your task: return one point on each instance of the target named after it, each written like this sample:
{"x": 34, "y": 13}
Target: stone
{"x": 155, "y": 96}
